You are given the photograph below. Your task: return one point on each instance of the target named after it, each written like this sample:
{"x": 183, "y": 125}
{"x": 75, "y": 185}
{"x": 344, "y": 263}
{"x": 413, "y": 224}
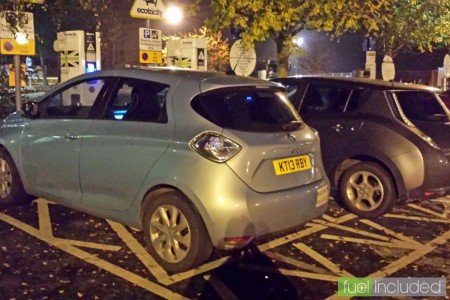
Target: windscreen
{"x": 421, "y": 105}
{"x": 247, "y": 109}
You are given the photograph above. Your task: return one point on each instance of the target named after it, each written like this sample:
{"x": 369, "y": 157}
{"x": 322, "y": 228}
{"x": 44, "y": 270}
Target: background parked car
{"x": 381, "y": 141}
{"x": 197, "y": 160}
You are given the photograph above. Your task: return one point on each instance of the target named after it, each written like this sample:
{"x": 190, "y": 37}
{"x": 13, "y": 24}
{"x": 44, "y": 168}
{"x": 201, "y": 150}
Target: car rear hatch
{"x": 277, "y": 150}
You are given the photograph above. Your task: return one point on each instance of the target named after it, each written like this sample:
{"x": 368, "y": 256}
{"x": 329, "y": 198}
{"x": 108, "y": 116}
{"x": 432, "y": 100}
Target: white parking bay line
{"x": 94, "y": 260}
{"x": 322, "y": 260}
{"x": 222, "y": 290}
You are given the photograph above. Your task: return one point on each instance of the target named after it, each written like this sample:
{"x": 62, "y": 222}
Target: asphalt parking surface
{"x": 48, "y": 251}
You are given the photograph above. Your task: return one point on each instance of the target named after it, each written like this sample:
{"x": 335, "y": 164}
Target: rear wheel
{"x": 11, "y": 187}
{"x": 176, "y": 235}
{"x": 367, "y": 190}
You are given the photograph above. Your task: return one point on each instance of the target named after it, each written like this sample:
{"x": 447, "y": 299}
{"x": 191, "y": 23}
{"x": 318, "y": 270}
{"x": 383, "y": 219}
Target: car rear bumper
{"x": 428, "y": 193}
{"x": 230, "y": 209}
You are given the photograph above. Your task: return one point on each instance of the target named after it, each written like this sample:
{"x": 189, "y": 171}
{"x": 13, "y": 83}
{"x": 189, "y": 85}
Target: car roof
{"x": 208, "y": 79}
{"x": 365, "y": 82}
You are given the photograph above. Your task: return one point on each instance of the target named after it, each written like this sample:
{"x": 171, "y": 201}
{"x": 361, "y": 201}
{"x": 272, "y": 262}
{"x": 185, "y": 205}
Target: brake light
{"x": 237, "y": 242}
{"x": 215, "y": 146}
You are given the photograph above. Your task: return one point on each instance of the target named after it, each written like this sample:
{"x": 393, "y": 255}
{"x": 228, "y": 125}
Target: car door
{"x": 126, "y": 140}
{"x": 330, "y": 109}
{"x": 51, "y": 143}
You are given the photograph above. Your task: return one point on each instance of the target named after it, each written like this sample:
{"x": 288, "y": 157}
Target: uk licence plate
{"x": 291, "y": 164}
{"x": 322, "y": 196}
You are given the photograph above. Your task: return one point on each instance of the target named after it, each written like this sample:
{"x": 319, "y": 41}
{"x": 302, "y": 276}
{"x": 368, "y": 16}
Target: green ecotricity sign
{"x": 392, "y": 286}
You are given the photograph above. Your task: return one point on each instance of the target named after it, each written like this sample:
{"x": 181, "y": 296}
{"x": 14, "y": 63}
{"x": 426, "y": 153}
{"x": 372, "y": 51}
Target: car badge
{"x": 291, "y": 137}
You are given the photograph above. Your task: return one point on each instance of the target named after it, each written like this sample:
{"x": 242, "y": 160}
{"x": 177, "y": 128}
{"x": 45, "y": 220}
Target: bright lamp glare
{"x": 21, "y": 38}
{"x": 298, "y": 41}
{"x": 174, "y": 15}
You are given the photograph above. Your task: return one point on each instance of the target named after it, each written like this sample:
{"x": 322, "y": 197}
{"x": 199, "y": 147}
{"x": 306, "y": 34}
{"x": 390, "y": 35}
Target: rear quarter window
{"x": 420, "y": 105}
{"x": 246, "y": 109}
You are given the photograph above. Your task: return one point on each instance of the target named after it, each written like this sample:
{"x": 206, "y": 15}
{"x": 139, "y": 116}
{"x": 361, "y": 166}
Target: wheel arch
{"x": 159, "y": 189}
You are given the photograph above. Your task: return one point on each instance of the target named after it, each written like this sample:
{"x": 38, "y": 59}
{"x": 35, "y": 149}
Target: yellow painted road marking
{"x": 322, "y": 260}
{"x": 295, "y": 273}
{"x": 345, "y": 218}
{"x": 291, "y": 237}
{"x": 141, "y": 253}
{"x": 329, "y": 218}
{"x": 92, "y": 259}
{"x": 357, "y": 231}
{"x": 264, "y": 247}
{"x": 87, "y": 244}
{"x": 297, "y": 263}
{"x": 390, "y": 232}
{"x": 200, "y": 270}
{"x": 405, "y": 260}
{"x": 222, "y": 290}
{"x": 45, "y": 224}
{"x": 366, "y": 241}
{"x": 442, "y": 200}
{"x": 414, "y": 218}
{"x": 413, "y": 256}
{"x": 428, "y": 211}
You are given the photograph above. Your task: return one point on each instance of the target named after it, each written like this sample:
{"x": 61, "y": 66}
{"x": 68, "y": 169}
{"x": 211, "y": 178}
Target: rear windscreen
{"x": 246, "y": 109}
{"x": 420, "y": 105}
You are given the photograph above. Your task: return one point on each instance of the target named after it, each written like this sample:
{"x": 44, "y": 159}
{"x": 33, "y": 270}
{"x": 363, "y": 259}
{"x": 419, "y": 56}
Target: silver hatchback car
{"x": 196, "y": 160}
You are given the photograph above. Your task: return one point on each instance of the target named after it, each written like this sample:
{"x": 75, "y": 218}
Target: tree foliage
{"x": 419, "y": 24}
{"x": 217, "y": 47}
{"x": 281, "y": 20}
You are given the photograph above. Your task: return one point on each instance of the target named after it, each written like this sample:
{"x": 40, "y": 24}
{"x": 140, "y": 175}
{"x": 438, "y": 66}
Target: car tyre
{"x": 176, "y": 235}
{"x": 367, "y": 190}
{"x": 11, "y": 186}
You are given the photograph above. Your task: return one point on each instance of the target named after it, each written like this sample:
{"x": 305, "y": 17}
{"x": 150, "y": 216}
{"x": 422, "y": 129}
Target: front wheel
{"x": 367, "y": 190}
{"x": 11, "y": 187}
{"x": 175, "y": 233}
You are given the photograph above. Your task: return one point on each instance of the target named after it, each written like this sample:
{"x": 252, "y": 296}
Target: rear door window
{"x": 138, "y": 100}
{"x": 327, "y": 99}
{"x": 246, "y": 109}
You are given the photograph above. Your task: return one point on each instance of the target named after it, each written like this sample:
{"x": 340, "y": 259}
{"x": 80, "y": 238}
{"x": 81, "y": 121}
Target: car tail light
{"x": 237, "y": 242}
{"x": 215, "y": 146}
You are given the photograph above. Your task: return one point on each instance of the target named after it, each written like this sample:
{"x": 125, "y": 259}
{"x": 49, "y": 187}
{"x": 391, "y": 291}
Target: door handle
{"x": 339, "y": 128}
{"x": 71, "y": 137}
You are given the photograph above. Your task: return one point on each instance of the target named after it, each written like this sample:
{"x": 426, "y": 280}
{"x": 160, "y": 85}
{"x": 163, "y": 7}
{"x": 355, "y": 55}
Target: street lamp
{"x": 298, "y": 41}
{"x": 174, "y": 15}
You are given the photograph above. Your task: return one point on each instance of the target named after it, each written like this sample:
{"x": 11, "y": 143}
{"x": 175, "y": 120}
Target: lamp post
{"x": 21, "y": 39}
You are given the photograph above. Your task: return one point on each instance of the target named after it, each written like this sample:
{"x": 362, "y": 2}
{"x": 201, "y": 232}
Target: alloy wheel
{"x": 365, "y": 191}
{"x": 5, "y": 178}
{"x": 170, "y": 233}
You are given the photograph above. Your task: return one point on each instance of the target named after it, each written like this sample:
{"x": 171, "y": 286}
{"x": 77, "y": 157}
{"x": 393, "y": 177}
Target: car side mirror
{"x": 30, "y": 109}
